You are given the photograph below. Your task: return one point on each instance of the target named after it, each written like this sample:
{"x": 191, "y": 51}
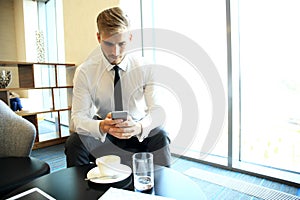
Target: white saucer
{"x": 122, "y": 172}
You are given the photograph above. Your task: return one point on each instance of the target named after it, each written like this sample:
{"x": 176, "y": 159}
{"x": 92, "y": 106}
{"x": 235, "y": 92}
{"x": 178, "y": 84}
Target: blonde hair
{"x": 112, "y": 20}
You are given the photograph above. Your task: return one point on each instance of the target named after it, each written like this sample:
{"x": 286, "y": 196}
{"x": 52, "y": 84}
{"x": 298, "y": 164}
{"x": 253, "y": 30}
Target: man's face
{"x": 113, "y": 46}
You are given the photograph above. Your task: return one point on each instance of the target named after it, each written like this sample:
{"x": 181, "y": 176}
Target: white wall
{"x": 8, "y": 32}
{"x": 80, "y": 27}
{"x": 18, "y": 24}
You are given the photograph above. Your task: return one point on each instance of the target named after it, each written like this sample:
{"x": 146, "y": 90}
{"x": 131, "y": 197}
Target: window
{"x": 261, "y": 74}
{"x": 50, "y": 30}
{"x": 50, "y": 48}
{"x": 266, "y": 48}
{"x": 187, "y": 26}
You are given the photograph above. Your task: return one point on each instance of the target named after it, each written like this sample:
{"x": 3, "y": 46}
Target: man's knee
{"x": 76, "y": 153}
{"x": 158, "y": 143}
{"x": 160, "y": 136}
{"x": 72, "y": 142}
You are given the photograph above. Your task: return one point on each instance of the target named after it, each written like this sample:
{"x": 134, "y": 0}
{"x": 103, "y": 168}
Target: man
{"x": 93, "y": 94}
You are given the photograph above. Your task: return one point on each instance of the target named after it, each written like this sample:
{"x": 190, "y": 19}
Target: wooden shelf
{"x": 8, "y": 63}
{"x": 35, "y": 88}
{"x": 49, "y": 143}
{"x": 28, "y": 112}
{"x": 54, "y": 77}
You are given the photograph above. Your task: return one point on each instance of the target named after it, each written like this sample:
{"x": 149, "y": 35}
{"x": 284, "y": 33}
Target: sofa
{"x": 17, "y": 136}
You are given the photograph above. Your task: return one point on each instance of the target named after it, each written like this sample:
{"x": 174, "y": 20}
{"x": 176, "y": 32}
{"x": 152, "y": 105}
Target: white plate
{"x": 122, "y": 171}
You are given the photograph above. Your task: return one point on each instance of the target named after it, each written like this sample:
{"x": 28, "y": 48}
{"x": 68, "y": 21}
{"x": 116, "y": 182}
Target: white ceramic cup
{"x": 108, "y": 165}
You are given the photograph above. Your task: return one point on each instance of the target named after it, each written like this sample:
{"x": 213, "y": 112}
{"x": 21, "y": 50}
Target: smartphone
{"x": 119, "y": 115}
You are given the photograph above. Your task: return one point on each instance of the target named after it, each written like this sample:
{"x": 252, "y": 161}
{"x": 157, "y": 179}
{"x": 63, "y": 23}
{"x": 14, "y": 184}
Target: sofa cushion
{"x": 17, "y": 171}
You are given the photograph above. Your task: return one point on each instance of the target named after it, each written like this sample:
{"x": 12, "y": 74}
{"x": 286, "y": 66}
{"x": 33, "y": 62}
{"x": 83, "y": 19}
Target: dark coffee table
{"x": 70, "y": 184}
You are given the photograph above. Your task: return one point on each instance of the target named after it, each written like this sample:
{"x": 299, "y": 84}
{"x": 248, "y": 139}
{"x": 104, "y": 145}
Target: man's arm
{"x": 82, "y": 110}
{"x": 155, "y": 116}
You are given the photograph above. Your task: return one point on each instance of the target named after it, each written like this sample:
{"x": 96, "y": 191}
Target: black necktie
{"x": 117, "y": 90}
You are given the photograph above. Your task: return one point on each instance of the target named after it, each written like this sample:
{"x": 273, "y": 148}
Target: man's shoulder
{"x": 89, "y": 64}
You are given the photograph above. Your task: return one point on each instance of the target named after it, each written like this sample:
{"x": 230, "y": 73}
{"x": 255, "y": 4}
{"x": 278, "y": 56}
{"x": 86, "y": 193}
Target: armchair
{"x": 17, "y": 136}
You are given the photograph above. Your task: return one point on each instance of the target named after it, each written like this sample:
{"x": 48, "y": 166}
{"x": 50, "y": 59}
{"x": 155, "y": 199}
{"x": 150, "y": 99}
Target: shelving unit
{"x": 46, "y": 92}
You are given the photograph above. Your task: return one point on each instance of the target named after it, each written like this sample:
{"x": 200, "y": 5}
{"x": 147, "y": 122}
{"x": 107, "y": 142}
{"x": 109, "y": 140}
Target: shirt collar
{"x": 123, "y": 65}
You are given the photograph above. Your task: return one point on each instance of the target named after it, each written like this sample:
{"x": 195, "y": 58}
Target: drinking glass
{"x": 143, "y": 172}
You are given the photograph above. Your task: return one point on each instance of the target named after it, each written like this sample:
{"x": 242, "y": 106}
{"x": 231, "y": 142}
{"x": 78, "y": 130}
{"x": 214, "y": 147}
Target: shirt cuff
{"x": 102, "y": 135}
{"x": 144, "y": 134}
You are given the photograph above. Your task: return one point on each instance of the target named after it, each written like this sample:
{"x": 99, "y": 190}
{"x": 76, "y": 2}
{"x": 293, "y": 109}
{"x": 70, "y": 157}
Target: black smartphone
{"x": 119, "y": 115}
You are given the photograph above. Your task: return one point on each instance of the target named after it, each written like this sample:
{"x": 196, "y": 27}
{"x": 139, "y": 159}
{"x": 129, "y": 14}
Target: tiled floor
{"x": 214, "y": 191}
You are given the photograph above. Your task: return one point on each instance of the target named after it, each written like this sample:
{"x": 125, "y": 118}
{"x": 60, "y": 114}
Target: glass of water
{"x": 143, "y": 172}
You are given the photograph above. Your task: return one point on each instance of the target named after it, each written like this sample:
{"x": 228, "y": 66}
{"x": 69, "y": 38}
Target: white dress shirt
{"x": 93, "y": 94}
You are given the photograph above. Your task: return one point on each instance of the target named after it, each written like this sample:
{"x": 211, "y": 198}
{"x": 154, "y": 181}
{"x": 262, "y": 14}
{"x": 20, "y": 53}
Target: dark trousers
{"x": 82, "y": 149}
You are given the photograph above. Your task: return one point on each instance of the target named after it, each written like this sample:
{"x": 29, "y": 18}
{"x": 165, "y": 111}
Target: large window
{"x": 50, "y": 41}
{"x": 50, "y": 48}
{"x": 195, "y": 28}
{"x": 254, "y": 46}
{"x": 266, "y": 48}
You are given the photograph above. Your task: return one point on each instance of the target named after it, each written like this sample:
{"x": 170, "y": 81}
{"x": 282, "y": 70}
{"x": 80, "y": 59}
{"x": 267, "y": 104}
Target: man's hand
{"x": 108, "y": 123}
{"x": 126, "y": 129}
